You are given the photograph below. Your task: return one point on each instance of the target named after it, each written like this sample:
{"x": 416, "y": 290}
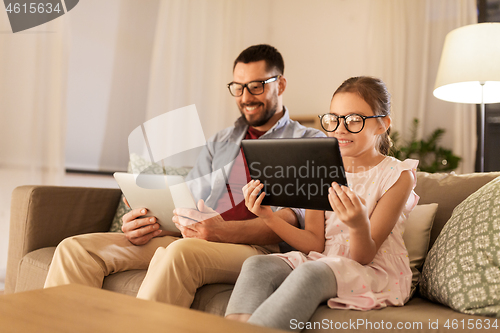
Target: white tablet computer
{"x": 160, "y": 194}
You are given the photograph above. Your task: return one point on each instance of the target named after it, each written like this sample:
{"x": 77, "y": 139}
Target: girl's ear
{"x": 384, "y": 124}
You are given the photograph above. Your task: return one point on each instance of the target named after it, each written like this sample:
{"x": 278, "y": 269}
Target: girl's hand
{"x": 251, "y": 191}
{"x": 350, "y": 208}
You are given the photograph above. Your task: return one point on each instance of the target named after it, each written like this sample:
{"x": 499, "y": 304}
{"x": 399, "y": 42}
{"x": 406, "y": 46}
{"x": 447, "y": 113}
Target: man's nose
{"x": 246, "y": 96}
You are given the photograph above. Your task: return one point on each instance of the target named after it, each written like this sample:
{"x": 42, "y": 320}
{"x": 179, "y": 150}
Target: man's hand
{"x": 204, "y": 223}
{"x": 138, "y": 230}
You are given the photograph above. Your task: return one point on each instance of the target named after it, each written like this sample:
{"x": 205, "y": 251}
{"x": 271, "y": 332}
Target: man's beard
{"x": 263, "y": 118}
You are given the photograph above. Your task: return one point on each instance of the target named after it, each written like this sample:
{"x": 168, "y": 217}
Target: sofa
{"x": 42, "y": 216}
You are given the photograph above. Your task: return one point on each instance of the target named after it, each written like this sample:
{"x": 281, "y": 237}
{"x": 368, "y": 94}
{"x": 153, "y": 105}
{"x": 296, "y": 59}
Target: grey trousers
{"x": 275, "y": 294}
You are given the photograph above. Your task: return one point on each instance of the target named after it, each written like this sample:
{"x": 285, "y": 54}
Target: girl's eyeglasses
{"x": 353, "y": 123}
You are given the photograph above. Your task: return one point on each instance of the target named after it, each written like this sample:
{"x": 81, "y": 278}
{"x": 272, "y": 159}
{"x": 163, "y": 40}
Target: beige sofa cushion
{"x": 33, "y": 269}
{"x": 448, "y": 190}
{"x": 127, "y": 282}
{"x": 416, "y": 237}
{"x": 418, "y": 315}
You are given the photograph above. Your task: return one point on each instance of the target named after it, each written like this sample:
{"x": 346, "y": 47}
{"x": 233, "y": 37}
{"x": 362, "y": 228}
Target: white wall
{"x": 323, "y": 43}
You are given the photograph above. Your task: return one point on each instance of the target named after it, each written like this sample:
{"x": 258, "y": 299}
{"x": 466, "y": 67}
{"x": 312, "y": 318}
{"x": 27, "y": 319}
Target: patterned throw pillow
{"x": 462, "y": 270}
{"x": 139, "y": 165}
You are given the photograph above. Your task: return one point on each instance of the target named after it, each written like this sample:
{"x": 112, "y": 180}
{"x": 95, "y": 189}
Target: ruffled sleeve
{"x": 396, "y": 168}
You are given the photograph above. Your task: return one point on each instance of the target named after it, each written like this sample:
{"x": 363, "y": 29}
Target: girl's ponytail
{"x": 385, "y": 142}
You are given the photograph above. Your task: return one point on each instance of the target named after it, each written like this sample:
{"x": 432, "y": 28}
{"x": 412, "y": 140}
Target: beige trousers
{"x": 177, "y": 266}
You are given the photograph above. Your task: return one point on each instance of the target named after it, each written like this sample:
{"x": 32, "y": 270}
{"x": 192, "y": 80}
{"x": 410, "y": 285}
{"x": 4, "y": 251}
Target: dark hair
{"x": 270, "y": 54}
{"x": 374, "y": 92}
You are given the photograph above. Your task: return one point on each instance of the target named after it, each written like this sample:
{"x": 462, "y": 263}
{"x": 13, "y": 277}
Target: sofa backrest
{"x": 448, "y": 190}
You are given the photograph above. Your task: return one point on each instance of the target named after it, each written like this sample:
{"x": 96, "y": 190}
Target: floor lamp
{"x": 469, "y": 70}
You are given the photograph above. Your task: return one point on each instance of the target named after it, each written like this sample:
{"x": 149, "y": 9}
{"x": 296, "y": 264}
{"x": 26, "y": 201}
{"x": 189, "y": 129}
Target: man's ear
{"x": 281, "y": 85}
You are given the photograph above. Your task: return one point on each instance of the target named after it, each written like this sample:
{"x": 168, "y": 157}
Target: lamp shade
{"x": 471, "y": 56}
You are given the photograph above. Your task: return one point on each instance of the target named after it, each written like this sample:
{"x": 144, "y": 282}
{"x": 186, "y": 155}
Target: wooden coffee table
{"x": 75, "y": 308}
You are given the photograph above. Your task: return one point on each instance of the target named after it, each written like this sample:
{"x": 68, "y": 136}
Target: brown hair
{"x": 374, "y": 92}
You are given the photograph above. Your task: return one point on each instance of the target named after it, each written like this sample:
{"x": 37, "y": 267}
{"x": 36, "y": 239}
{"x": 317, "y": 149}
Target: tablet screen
{"x": 295, "y": 172}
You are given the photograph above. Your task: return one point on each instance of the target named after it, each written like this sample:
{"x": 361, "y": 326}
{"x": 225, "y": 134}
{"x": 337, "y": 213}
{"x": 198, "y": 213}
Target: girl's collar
{"x": 367, "y": 169}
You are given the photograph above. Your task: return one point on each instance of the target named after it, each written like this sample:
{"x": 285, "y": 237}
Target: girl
{"x": 363, "y": 263}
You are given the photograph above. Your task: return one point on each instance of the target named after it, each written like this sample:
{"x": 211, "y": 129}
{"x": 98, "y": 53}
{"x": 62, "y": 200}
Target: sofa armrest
{"x": 42, "y": 216}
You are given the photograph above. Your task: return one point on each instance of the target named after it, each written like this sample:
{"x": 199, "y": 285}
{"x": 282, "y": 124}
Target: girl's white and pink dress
{"x": 387, "y": 279}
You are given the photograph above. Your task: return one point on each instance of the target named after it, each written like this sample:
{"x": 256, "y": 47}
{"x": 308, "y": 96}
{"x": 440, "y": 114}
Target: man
{"x": 213, "y": 249}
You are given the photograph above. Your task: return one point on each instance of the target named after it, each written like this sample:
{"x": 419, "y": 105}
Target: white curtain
{"x": 32, "y": 111}
{"x": 196, "y": 43}
{"x": 405, "y": 43}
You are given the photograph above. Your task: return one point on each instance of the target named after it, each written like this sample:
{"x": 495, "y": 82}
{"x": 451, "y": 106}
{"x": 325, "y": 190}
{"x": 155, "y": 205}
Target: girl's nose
{"x": 341, "y": 128}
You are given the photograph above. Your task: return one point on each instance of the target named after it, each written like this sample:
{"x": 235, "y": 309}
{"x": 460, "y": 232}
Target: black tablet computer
{"x": 295, "y": 172}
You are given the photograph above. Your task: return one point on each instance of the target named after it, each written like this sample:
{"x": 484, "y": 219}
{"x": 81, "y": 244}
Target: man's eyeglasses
{"x": 254, "y": 87}
{"x": 353, "y": 123}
